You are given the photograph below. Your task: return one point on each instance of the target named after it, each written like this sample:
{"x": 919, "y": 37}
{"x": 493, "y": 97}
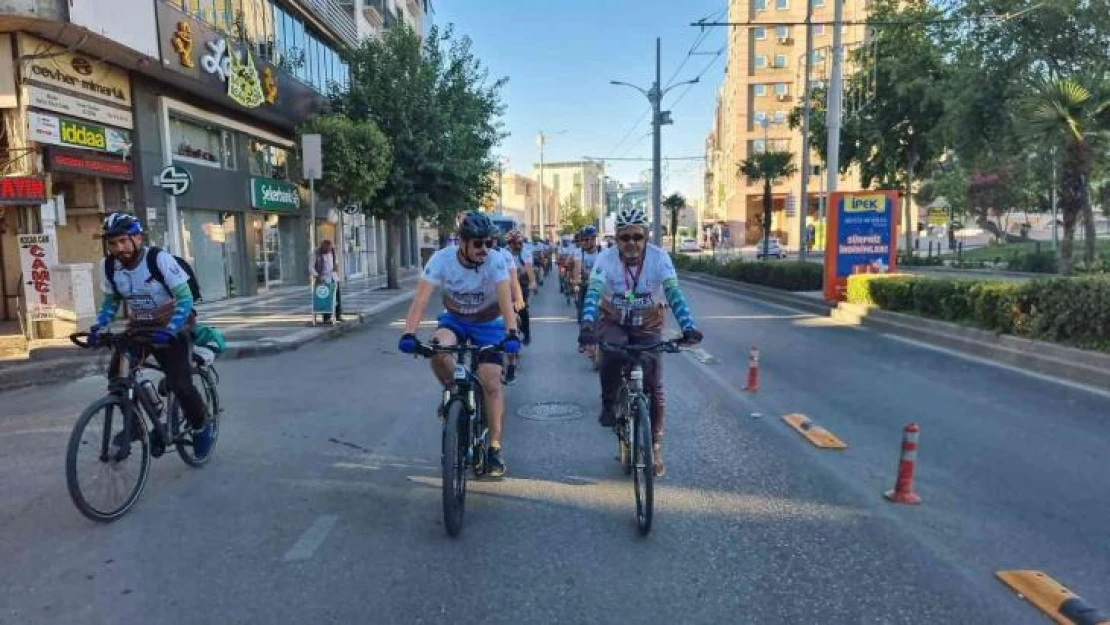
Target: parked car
{"x": 774, "y": 249}
{"x": 689, "y": 245}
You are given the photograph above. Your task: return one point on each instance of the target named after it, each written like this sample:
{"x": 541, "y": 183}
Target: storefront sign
{"x": 323, "y": 299}
{"x": 52, "y": 65}
{"x": 80, "y": 162}
{"x": 862, "y": 237}
{"x": 268, "y": 194}
{"x": 37, "y": 257}
{"x": 175, "y": 180}
{"x": 225, "y": 69}
{"x": 39, "y": 97}
{"x": 22, "y": 190}
{"x": 61, "y": 131}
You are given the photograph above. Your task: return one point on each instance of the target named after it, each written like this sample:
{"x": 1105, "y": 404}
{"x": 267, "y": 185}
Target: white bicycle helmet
{"x": 631, "y": 216}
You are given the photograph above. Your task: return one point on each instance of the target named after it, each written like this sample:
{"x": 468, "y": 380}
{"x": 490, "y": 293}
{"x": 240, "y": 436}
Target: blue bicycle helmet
{"x": 117, "y": 224}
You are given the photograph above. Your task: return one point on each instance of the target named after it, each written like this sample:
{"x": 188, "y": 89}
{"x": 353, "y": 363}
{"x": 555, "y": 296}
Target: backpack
{"x": 155, "y": 272}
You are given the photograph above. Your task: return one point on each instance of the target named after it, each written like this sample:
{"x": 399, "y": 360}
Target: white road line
{"x": 312, "y": 538}
{"x": 990, "y": 363}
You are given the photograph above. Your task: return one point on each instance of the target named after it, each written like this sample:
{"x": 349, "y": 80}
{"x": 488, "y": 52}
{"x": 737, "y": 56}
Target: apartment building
{"x": 580, "y": 180}
{"x": 763, "y": 80}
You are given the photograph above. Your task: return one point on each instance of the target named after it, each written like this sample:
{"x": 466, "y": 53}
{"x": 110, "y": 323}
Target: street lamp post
{"x": 659, "y": 118}
{"x": 541, "y": 141}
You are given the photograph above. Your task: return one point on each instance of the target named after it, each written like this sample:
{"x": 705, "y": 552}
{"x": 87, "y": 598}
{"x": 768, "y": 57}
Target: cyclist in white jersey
{"x": 626, "y": 286}
{"x": 477, "y": 298}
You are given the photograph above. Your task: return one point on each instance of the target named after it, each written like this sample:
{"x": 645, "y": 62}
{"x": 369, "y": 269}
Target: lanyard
{"x": 630, "y": 289}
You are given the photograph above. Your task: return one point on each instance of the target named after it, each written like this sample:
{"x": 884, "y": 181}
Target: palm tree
{"x": 675, "y": 203}
{"x": 768, "y": 167}
{"x": 1073, "y": 113}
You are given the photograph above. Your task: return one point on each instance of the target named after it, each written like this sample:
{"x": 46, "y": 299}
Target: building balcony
{"x": 336, "y": 16}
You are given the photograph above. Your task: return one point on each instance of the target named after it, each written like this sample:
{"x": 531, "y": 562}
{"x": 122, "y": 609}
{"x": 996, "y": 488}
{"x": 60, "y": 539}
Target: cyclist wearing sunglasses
{"x": 627, "y": 286}
{"x": 583, "y": 263}
{"x": 477, "y": 297}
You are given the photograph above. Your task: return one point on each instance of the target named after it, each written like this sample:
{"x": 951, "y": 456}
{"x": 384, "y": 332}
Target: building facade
{"x": 764, "y": 78}
{"x": 183, "y": 112}
{"x": 574, "y": 181}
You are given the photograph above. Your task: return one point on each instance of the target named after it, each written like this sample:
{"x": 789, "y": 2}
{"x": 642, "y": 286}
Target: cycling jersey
{"x": 632, "y": 296}
{"x": 148, "y": 302}
{"x": 587, "y": 260}
{"x": 469, "y": 293}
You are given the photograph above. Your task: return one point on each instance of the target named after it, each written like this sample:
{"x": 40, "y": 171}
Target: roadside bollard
{"x": 903, "y": 484}
{"x": 753, "y": 370}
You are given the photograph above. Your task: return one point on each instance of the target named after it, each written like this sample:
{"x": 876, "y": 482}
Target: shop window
{"x": 268, "y": 161}
{"x": 202, "y": 144}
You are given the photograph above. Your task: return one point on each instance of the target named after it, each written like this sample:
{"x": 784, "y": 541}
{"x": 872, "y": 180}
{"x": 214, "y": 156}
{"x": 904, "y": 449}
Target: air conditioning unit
{"x": 784, "y": 39}
{"x": 782, "y": 97}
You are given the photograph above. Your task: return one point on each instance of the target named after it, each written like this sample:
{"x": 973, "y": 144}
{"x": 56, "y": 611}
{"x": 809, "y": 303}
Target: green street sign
{"x": 275, "y": 195}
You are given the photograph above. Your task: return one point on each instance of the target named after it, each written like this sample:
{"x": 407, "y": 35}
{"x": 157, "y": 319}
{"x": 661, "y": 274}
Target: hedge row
{"x": 1073, "y": 311}
{"x": 788, "y": 276}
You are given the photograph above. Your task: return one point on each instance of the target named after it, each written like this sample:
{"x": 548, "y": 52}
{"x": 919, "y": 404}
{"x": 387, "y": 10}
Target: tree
{"x": 572, "y": 217}
{"x": 357, "y": 158}
{"x": 674, "y": 203}
{"x": 435, "y": 103}
{"x": 1074, "y": 114}
{"x": 768, "y": 167}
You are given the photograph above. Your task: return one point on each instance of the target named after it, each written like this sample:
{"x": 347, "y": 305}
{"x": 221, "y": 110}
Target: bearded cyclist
{"x": 478, "y": 303}
{"x": 162, "y": 304}
{"x": 582, "y": 263}
{"x": 565, "y": 252}
{"x": 626, "y": 286}
{"x": 522, "y": 254}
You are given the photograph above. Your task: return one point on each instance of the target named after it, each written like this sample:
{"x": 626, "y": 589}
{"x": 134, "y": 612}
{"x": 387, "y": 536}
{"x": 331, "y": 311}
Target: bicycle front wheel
{"x": 107, "y": 464}
{"x": 643, "y": 465}
{"x": 455, "y": 444}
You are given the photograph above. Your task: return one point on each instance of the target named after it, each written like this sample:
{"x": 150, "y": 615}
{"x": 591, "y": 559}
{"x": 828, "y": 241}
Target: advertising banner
{"x": 323, "y": 299}
{"x": 862, "y": 237}
{"x": 37, "y": 258}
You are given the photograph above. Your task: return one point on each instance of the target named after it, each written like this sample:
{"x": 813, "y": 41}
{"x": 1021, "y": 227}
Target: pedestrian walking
{"x": 324, "y": 266}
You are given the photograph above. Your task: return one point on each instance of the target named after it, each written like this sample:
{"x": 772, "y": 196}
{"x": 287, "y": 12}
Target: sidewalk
{"x": 274, "y": 322}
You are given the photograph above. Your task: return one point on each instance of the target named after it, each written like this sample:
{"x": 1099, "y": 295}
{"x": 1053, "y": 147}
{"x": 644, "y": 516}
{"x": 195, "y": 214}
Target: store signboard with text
{"x": 37, "y": 258}
{"x": 53, "y": 130}
{"x": 862, "y": 237}
{"x": 275, "y": 195}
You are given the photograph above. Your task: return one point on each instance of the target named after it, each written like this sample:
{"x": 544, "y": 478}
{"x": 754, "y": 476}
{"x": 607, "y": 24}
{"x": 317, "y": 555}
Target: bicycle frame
{"x": 468, "y": 389}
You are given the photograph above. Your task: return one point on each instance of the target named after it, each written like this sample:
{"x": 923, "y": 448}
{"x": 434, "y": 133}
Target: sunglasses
{"x": 481, "y": 243}
{"x": 628, "y": 238}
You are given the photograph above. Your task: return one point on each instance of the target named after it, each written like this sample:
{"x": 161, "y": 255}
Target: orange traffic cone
{"x": 903, "y": 485}
{"x": 753, "y": 370}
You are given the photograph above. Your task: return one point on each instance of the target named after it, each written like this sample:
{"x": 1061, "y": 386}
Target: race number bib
{"x": 142, "y": 307}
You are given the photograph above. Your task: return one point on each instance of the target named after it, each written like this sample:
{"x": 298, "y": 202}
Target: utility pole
{"x": 541, "y": 139}
{"x": 836, "y": 89}
{"x": 803, "y": 203}
{"x": 659, "y": 118}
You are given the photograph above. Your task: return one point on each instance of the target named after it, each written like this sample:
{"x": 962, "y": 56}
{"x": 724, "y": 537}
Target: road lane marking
{"x": 1051, "y": 597}
{"x": 753, "y": 317}
{"x": 703, "y": 356}
{"x": 312, "y": 538}
{"x": 819, "y": 436}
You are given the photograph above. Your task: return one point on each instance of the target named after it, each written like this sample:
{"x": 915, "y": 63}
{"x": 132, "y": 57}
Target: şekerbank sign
{"x": 275, "y": 195}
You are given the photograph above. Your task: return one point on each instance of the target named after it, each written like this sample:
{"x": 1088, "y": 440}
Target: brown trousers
{"x": 611, "y": 364}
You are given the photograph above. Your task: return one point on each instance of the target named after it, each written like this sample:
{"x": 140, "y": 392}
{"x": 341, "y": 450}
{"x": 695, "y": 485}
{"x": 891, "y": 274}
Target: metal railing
{"x": 336, "y": 17}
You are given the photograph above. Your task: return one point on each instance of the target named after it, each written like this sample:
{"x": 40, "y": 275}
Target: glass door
{"x": 267, "y": 252}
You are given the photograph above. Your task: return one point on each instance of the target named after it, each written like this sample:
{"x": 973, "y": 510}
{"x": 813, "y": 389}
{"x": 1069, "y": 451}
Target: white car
{"x": 774, "y": 249}
{"x": 689, "y": 245}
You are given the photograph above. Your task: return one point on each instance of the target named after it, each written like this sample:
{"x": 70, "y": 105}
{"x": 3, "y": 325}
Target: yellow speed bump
{"x": 1053, "y": 598}
{"x": 819, "y": 436}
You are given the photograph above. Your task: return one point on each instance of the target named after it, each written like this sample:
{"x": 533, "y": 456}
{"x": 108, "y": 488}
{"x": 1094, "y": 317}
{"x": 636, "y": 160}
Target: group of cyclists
{"x": 487, "y": 279}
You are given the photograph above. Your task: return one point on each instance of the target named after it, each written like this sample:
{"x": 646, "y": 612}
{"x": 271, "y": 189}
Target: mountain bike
{"x": 110, "y": 429}
{"x": 633, "y": 424}
{"x": 465, "y": 439}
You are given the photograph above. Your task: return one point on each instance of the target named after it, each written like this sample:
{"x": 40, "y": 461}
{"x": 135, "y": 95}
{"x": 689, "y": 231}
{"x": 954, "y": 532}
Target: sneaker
{"x": 657, "y": 457}
{"x": 528, "y": 339}
{"x": 607, "y": 418}
{"x": 202, "y": 441}
{"x": 494, "y": 463}
{"x": 510, "y": 374}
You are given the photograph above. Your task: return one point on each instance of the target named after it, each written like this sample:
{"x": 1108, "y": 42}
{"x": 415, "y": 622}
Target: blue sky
{"x": 559, "y": 58}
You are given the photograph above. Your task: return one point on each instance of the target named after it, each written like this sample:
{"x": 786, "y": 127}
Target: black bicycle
{"x": 465, "y": 428}
{"x": 633, "y": 424}
{"x": 109, "y": 430}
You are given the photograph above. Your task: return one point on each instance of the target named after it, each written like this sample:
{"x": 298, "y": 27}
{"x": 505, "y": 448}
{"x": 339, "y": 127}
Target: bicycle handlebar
{"x": 109, "y": 339}
{"x": 432, "y": 348}
{"x": 672, "y": 346}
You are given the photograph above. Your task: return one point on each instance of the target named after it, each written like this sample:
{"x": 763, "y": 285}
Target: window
{"x": 780, "y": 60}
{"x": 782, "y": 88}
{"x": 760, "y": 117}
{"x": 197, "y": 143}
{"x": 780, "y": 117}
{"x": 759, "y": 146}
{"x": 782, "y": 5}
{"x": 760, "y": 90}
{"x": 818, "y": 57}
{"x": 760, "y": 5}
{"x": 760, "y": 61}
{"x": 268, "y": 161}
{"x": 759, "y": 32}
{"x": 817, "y": 3}
{"x": 782, "y": 32}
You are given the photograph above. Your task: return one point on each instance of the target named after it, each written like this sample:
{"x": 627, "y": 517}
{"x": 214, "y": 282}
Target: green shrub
{"x": 778, "y": 275}
{"x": 861, "y": 287}
{"x": 896, "y": 295}
{"x": 995, "y": 305}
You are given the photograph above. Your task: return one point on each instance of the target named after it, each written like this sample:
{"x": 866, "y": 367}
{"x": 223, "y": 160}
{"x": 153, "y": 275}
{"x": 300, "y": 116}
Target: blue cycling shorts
{"x": 480, "y": 334}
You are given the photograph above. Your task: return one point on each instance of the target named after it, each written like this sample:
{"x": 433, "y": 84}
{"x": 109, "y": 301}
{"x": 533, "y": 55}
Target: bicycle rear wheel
{"x": 183, "y": 440}
{"x": 455, "y": 445}
{"x": 643, "y": 465}
{"x": 105, "y": 472}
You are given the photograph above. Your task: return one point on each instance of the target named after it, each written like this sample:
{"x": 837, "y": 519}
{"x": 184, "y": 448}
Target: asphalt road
{"x": 322, "y": 504}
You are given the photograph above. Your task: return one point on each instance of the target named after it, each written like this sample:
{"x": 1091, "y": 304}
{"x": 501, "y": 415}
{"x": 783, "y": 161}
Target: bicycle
{"x": 134, "y": 396}
{"x": 633, "y": 425}
{"x": 465, "y": 439}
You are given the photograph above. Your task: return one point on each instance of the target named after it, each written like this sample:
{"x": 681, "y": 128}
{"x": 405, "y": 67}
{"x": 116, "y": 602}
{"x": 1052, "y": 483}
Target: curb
{"x": 1058, "y": 361}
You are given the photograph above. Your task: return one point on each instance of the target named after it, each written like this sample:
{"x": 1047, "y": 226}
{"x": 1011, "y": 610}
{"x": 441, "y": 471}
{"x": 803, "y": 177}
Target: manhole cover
{"x": 551, "y": 411}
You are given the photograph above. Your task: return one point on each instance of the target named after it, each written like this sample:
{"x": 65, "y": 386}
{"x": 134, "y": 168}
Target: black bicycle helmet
{"x": 122, "y": 223}
{"x": 475, "y": 225}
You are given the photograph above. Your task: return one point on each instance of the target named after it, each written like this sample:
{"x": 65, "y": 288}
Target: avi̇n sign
{"x": 861, "y": 238}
